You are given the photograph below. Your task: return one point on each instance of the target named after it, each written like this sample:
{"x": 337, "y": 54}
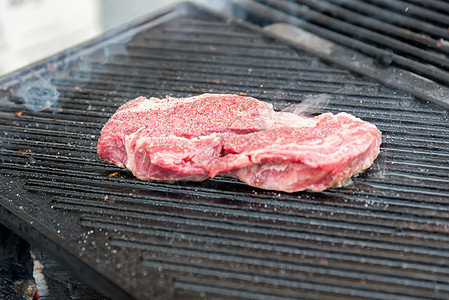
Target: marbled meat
{"x": 218, "y": 134}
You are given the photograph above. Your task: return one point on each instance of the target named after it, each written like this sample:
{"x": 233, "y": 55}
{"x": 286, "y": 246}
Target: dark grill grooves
{"x": 394, "y": 43}
{"x": 383, "y": 236}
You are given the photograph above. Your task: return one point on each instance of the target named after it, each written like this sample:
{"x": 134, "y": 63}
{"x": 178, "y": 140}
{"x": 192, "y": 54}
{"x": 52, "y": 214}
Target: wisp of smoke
{"x": 38, "y": 92}
{"x": 310, "y": 105}
{"x": 38, "y": 95}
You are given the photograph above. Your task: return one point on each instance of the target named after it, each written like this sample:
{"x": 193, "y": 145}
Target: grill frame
{"x": 253, "y": 208}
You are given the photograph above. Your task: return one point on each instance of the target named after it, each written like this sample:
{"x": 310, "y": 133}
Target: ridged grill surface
{"x": 385, "y": 236}
{"x": 410, "y": 34}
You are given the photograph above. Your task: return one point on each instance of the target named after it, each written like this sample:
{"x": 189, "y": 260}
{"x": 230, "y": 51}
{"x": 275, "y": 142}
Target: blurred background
{"x": 34, "y": 29}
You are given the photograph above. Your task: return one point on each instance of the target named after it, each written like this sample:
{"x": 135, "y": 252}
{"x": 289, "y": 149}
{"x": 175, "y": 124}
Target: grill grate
{"x": 413, "y": 37}
{"x": 384, "y": 236}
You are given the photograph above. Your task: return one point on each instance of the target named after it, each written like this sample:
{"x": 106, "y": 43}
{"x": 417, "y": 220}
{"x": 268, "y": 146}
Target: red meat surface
{"x": 214, "y": 134}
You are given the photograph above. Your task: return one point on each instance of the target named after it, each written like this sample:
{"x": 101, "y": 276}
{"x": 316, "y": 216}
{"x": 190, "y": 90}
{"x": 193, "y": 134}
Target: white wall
{"x": 117, "y": 12}
{"x": 31, "y": 30}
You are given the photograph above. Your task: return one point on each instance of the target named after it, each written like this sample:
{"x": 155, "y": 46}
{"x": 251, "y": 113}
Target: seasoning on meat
{"x": 218, "y": 134}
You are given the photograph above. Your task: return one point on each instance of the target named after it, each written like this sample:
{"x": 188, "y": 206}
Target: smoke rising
{"x": 39, "y": 89}
{"x": 309, "y": 105}
{"x": 39, "y": 94}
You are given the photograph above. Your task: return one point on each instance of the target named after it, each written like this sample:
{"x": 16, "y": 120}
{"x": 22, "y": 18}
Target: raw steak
{"x": 214, "y": 134}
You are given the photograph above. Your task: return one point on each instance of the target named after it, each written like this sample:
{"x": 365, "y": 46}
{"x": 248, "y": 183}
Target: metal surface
{"x": 384, "y": 236}
{"x": 391, "y": 37}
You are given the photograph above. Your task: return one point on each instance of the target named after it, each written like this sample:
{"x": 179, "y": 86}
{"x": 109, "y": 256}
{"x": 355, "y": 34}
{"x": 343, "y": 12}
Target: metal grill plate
{"x": 401, "y": 44}
{"x": 384, "y": 236}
